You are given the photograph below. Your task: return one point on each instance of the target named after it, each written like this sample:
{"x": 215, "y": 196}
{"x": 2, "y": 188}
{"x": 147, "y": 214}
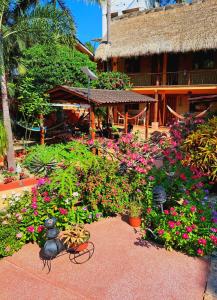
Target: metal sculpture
{"x": 159, "y": 196}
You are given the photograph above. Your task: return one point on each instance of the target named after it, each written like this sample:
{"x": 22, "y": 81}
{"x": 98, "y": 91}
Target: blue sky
{"x": 87, "y": 18}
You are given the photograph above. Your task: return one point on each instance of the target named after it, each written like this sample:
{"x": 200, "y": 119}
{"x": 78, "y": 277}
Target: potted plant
{"x": 75, "y": 238}
{"x": 135, "y": 214}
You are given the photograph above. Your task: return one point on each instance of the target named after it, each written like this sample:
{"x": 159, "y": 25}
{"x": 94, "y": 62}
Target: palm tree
{"x": 27, "y": 26}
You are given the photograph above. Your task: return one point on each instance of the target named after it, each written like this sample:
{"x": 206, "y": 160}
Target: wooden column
{"x": 164, "y": 109}
{"x": 114, "y": 64}
{"x": 92, "y": 122}
{"x": 107, "y": 115}
{"x": 42, "y": 130}
{"x": 156, "y": 108}
{"x": 164, "y": 75}
{"x": 147, "y": 120}
{"x": 126, "y": 119}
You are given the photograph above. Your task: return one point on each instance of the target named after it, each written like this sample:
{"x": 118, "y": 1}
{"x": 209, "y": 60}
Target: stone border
{"x": 211, "y": 287}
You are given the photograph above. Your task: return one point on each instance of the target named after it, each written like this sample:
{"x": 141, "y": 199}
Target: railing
{"x": 199, "y": 77}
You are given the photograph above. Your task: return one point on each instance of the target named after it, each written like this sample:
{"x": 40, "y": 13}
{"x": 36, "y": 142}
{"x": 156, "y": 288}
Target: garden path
{"x": 121, "y": 268}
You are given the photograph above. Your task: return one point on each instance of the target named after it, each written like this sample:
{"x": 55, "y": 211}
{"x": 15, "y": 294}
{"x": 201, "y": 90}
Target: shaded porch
{"x": 76, "y": 99}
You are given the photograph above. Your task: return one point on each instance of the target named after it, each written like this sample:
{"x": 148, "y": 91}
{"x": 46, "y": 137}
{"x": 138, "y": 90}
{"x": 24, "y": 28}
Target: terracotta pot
{"x": 80, "y": 247}
{"x": 17, "y": 184}
{"x": 135, "y": 221}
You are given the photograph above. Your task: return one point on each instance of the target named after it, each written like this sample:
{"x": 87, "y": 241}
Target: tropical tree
{"x": 44, "y": 24}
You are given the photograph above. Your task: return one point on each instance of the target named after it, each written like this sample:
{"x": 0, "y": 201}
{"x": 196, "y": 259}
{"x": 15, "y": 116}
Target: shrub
{"x": 190, "y": 227}
{"x": 201, "y": 148}
{"x": 112, "y": 81}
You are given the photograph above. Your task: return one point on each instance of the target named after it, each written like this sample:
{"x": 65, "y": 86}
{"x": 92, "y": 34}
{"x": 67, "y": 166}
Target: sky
{"x": 88, "y": 19}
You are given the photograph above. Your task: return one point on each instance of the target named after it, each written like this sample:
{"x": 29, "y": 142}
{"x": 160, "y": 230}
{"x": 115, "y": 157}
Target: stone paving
{"x": 121, "y": 268}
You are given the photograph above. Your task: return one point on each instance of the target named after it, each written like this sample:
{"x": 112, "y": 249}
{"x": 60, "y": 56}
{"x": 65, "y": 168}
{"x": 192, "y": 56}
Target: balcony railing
{"x": 199, "y": 77}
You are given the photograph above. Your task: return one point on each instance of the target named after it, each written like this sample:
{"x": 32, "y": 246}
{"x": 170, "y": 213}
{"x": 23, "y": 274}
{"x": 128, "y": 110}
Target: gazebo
{"x": 72, "y": 96}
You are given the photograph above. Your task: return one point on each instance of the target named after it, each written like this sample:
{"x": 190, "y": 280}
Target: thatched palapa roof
{"x": 176, "y": 28}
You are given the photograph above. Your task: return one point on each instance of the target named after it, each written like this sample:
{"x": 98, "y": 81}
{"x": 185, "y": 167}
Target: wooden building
{"x": 170, "y": 53}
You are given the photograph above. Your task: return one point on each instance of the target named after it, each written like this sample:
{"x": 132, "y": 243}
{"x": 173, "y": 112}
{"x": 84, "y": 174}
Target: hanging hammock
{"x": 134, "y": 117}
{"x": 183, "y": 118}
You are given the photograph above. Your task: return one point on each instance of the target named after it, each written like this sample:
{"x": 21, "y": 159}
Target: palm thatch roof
{"x": 175, "y": 28}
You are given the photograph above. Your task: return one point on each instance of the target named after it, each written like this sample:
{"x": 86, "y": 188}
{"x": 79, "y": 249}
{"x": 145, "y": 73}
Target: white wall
{"x": 120, "y": 5}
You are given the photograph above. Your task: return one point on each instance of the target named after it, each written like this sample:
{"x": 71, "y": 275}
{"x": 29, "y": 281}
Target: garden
{"x": 162, "y": 185}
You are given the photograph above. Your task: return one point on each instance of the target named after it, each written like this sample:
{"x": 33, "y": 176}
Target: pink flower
{"x": 185, "y": 236}
{"x": 200, "y": 252}
{"x": 160, "y": 231}
{"x": 171, "y": 224}
{"x": 35, "y": 213}
{"x": 166, "y": 212}
{"x": 7, "y": 248}
{"x": 177, "y": 232}
{"x": 189, "y": 229}
{"x": 30, "y": 229}
{"x": 193, "y": 226}
{"x": 203, "y": 219}
{"x": 63, "y": 211}
{"x": 47, "y": 199}
{"x": 185, "y": 202}
{"x": 151, "y": 178}
{"x": 40, "y": 228}
{"x": 23, "y": 210}
{"x": 178, "y": 223}
{"x": 174, "y": 213}
{"x": 19, "y": 235}
{"x": 182, "y": 176}
{"x": 148, "y": 210}
{"x": 34, "y": 205}
{"x": 193, "y": 209}
{"x": 201, "y": 241}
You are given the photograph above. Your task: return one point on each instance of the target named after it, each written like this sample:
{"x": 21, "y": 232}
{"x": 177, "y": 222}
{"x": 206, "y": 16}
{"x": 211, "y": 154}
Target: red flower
{"x": 203, "y": 219}
{"x": 193, "y": 209}
{"x": 171, "y": 224}
{"x": 166, "y": 212}
{"x": 201, "y": 241}
{"x": 63, "y": 211}
{"x": 189, "y": 229}
{"x": 200, "y": 252}
{"x": 185, "y": 236}
{"x": 160, "y": 231}
{"x": 40, "y": 228}
{"x": 148, "y": 210}
{"x": 178, "y": 223}
{"x": 30, "y": 229}
{"x": 182, "y": 176}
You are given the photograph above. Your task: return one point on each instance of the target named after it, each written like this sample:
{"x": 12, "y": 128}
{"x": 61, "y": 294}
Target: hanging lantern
{"x": 159, "y": 196}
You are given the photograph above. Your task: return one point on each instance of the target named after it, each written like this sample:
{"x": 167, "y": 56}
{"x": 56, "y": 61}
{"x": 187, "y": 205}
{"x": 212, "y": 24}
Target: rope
{"x": 134, "y": 117}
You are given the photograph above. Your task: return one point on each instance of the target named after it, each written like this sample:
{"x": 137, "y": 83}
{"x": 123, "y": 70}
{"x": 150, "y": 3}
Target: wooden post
{"x": 156, "y": 108}
{"x": 114, "y": 64}
{"x": 107, "y": 115}
{"x": 126, "y": 119}
{"x": 147, "y": 120}
{"x": 92, "y": 122}
{"x": 42, "y": 131}
{"x": 164, "y": 77}
{"x": 164, "y": 109}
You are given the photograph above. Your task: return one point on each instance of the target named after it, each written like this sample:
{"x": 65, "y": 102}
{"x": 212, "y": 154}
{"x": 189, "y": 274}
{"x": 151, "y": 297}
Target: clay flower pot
{"x": 79, "y": 248}
{"x": 135, "y": 221}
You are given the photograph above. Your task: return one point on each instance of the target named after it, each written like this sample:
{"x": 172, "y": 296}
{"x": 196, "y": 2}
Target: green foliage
{"x": 112, "y": 81}
{"x": 50, "y": 65}
{"x": 3, "y": 139}
{"x": 31, "y": 104}
{"x": 135, "y": 209}
{"x": 189, "y": 227}
{"x": 201, "y": 148}
{"x": 10, "y": 241}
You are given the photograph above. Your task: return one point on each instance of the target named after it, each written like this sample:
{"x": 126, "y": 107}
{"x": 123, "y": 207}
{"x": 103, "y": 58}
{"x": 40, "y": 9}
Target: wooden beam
{"x": 126, "y": 119}
{"x": 92, "y": 122}
{"x": 147, "y": 120}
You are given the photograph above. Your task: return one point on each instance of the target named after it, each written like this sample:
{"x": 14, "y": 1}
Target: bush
{"x": 11, "y": 239}
{"x": 112, "y": 81}
{"x": 190, "y": 227}
{"x": 201, "y": 148}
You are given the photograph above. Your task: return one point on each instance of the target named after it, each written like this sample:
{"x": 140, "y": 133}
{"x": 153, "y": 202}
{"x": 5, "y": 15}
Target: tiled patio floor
{"x": 119, "y": 269}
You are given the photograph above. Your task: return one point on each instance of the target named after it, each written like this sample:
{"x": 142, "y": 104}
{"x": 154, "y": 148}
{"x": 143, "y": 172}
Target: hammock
{"x": 183, "y": 118}
{"x": 134, "y": 117}
{"x": 38, "y": 129}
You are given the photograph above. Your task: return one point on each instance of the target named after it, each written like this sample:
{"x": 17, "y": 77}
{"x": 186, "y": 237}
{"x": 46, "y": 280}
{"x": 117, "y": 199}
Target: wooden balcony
{"x": 189, "y": 78}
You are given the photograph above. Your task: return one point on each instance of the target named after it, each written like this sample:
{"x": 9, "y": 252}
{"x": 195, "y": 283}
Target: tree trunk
{"x": 5, "y": 108}
{"x": 108, "y": 20}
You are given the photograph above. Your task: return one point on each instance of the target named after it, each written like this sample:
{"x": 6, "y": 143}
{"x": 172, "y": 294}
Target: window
{"x": 132, "y": 65}
{"x": 204, "y": 60}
